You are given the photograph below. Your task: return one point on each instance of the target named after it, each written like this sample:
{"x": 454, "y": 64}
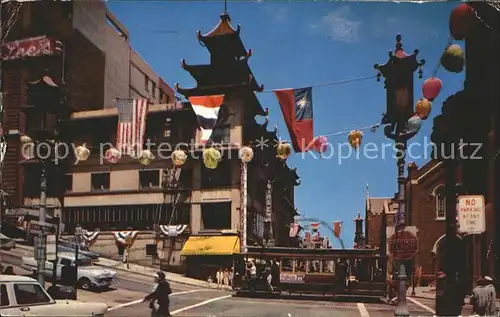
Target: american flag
{"x": 131, "y": 128}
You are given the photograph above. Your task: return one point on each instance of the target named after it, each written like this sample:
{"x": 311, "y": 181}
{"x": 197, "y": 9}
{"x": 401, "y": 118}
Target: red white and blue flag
{"x": 131, "y": 128}
{"x": 206, "y": 109}
{"x": 297, "y": 108}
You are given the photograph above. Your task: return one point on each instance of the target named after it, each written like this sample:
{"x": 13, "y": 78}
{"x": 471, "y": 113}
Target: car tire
{"x": 84, "y": 283}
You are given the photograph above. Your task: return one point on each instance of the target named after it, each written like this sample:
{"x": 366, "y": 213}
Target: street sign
{"x": 37, "y": 227}
{"x": 51, "y": 252}
{"x": 403, "y": 245}
{"x": 471, "y": 218}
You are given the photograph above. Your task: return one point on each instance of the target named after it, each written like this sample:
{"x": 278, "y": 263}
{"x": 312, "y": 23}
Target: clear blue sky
{"x": 298, "y": 44}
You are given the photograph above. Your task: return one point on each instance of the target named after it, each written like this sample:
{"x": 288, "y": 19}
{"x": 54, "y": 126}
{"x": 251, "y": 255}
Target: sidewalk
{"x": 142, "y": 270}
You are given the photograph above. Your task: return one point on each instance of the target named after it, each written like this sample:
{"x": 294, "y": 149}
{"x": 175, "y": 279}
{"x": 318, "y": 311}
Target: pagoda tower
{"x": 229, "y": 74}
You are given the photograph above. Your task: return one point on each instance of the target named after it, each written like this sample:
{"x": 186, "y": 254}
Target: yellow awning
{"x": 211, "y": 245}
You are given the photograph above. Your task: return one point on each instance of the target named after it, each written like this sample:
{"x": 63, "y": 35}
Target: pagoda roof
{"x": 293, "y": 173}
{"x": 224, "y": 38}
{"x": 224, "y": 74}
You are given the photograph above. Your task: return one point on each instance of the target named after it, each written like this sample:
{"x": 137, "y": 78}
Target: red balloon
{"x": 461, "y": 20}
{"x": 431, "y": 88}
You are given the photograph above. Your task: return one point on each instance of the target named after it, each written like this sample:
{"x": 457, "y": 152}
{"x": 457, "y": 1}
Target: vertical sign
{"x": 269, "y": 201}
{"x": 471, "y": 216}
{"x": 51, "y": 248}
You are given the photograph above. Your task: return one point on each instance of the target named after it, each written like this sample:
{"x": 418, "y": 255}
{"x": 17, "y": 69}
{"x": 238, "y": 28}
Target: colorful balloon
{"x": 321, "y": 144}
{"x": 431, "y": 88}
{"x": 112, "y": 155}
{"x": 414, "y": 124}
{"x": 179, "y": 157}
{"x": 453, "y": 59}
{"x": 355, "y": 138}
{"x": 245, "y": 154}
{"x": 283, "y": 150}
{"x": 211, "y": 158}
{"x": 146, "y": 157}
{"x": 423, "y": 108}
{"x": 28, "y": 150}
{"x": 462, "y": 19}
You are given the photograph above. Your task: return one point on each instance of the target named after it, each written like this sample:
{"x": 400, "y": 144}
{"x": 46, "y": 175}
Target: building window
{"x": 219, "y": 177}
{"x": 216, "y": 216}
{"x": 68, "y": 182}
{"x": 149, "y": 179}
{"x": 146, "y": 83}
{"x": 99, "y": 181}
{"x": 153, "y": 89}
{"x": 161, "y": 96}
{"x": 440, "y": 197}
{"x": 221, "y": 134}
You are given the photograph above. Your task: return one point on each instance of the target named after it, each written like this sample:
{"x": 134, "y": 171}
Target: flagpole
{"x": 244, "y": 207}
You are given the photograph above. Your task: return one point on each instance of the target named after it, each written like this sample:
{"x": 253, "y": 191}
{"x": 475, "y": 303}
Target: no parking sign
{"x": 471, "y": 218}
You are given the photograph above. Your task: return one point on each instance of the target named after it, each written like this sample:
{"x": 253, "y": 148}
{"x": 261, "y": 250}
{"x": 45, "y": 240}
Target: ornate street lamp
{"x": 398, "y": 75}
{"x": 359, "y": 237}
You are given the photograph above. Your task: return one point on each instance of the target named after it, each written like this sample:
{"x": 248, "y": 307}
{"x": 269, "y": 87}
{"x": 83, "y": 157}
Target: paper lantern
{"x": 178, "y": 157}
{"x": 112, "y": 155}
{"x": 146, "y": 157}
{"x": 453, "y": 59}
{"x": 28, "y": 150}
{"x": 283, "y": 150}
{"x": 423, "y": 108}
{"x": 211, "y": 158}
{"x": 82, "y": 153}
{"x": 462, "y": 19}
{"x": 431, "y": 88}
{"x": 25, "y": 139}
{"x": 414, "y": 124}
{"x": 355, "y": 138}
{"x": 245, "y": 154}
{"x": 321, "y": 144}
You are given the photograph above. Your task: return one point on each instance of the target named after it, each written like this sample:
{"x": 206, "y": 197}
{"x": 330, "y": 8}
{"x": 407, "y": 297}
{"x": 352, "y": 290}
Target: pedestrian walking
{"x": 225, "y": 278}
{"x": 231, "y": 277}
{"x": 483, "y": 298}
{"x": 219, "y": 277}
{"x": 160, "y": 296}
{"x": 418, "y": 275}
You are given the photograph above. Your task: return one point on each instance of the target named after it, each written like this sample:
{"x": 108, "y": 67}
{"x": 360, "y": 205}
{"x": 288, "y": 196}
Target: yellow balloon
{"x": 82, "y": 153}
{"x": 211, "y": 158}
{"x": 423, "y": 108}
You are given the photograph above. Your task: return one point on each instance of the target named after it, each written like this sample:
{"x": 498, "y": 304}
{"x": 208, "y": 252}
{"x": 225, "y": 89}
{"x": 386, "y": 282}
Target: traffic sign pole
{"x": 42, "y": 242}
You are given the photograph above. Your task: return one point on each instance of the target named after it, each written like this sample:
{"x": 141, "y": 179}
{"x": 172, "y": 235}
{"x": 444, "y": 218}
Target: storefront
{"x": 205, "y": 254}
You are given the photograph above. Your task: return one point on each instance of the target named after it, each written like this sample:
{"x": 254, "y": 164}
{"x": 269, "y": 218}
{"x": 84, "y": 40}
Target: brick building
{"x": 85, "y": 50}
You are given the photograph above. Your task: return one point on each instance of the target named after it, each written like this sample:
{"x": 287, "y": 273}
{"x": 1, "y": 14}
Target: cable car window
{"x": 328, "y": 266}
{"x": 286, "y": 265}
{"x": 314, "y": 266}
{"x": 300, "y": 266}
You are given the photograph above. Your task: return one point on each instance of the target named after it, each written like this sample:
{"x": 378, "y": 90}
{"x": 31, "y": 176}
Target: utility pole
{"x": 42, "y": 238}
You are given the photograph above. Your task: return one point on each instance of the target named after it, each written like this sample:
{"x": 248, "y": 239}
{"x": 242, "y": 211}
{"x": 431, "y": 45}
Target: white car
{"x": 89, "y": 276}
{"x": 24, "y": 296}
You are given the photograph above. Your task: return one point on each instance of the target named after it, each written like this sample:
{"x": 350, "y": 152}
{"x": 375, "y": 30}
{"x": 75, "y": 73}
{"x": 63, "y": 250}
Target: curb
{"x": 150, "y": 275}
{"x": 28, "y": 248}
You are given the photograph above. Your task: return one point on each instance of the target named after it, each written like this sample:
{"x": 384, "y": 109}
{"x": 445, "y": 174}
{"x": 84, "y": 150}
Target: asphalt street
{"x": 125, "y": 299}
{"x": 222, "y": 304}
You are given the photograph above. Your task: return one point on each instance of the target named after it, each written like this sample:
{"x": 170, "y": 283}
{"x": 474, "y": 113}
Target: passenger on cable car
{"x": 275, "y": 272}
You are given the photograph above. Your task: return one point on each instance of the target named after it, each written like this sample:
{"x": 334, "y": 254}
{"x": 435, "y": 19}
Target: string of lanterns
{"x": 462, "y": 20}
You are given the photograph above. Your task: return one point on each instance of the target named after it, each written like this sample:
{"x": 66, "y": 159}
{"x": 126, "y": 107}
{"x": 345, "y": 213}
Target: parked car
{"x": 23, "y": 296}
{"x": 89, "y": 276}
{"x": 6, "y": 243}
{"x": 66, "y": 246}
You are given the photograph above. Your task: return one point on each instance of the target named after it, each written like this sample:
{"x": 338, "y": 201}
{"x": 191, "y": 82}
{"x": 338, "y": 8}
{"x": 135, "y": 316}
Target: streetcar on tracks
{"x": 327, "y": 272}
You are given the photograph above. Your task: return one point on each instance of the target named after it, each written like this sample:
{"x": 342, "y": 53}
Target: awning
{"x": 211, "y": 245}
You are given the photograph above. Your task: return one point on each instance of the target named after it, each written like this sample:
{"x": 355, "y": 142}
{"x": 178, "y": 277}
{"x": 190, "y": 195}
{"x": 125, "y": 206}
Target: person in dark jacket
{"x": 160, "y": 295}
